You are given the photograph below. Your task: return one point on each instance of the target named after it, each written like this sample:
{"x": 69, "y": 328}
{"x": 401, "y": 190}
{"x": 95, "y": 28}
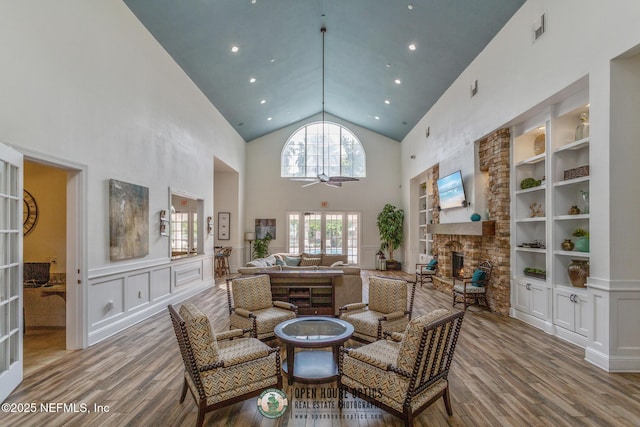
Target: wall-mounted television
{"x": 451, "y": 191}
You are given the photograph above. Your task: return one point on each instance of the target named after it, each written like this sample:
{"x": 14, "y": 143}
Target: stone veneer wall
{"x": 493, "y": 153}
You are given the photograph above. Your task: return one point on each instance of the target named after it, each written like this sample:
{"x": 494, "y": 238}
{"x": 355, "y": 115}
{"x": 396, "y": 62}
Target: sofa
{"x": 347, "y": 287}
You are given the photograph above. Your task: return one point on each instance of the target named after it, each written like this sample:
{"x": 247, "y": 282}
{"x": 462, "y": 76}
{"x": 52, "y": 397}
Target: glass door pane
{"x": 313, "y": 233}
{"x": 333, "y": 233}
{"x": 10, "y": 270}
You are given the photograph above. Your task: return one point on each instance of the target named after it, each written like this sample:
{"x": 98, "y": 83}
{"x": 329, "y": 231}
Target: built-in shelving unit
{"x": 425, "y": 217}
{"x": 545, "y": 215}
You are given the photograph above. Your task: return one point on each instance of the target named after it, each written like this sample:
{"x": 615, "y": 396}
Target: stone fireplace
{"x": 483, "y": 240}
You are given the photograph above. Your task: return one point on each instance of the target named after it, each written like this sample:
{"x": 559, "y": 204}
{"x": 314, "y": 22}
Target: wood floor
{"x": 504, "y": 373}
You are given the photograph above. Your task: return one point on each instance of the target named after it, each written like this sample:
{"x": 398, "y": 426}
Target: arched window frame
{"x": 306, "y": 145}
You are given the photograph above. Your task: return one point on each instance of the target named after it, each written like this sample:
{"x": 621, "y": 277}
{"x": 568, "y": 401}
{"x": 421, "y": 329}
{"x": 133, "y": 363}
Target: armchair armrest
{"x": 233, "y": 333}
{"x": 393, "y": 316}
{"x": 285, "y": 305}
{"x": 244, "y": 313}
{"x": 353, "y": 306}
{"x": 394, "y": 336}
{"x": 369, "y": 360}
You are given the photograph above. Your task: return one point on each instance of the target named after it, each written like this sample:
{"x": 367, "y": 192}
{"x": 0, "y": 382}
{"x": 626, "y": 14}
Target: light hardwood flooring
{"x": 504, "y": 373}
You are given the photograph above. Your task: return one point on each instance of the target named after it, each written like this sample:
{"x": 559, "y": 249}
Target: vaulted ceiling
{"x": 373, "y": 77}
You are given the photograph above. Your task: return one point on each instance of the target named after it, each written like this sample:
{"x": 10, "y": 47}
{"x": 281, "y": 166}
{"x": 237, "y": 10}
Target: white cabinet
{"x": 531, "y": 300}
{"x": 571, "y": 312}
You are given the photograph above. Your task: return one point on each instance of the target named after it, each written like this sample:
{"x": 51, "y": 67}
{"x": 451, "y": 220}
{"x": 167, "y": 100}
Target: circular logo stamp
{"x": 272, "y": 403}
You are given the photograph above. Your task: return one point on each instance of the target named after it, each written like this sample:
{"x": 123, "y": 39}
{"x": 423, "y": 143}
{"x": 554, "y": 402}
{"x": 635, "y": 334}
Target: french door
{"x": 10, "y": 270}
{"x": 324, "y": 232}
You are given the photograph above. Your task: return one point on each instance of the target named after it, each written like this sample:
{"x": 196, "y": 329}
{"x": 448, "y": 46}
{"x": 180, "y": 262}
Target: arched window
{"x": 305, "y": 155}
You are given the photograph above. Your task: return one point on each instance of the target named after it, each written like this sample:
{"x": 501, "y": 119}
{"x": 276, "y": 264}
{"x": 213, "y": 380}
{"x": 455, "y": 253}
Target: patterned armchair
{"x": 407, "y": 372}
{"x": 221, "y": 370}
{"x": 386, "y": 310}
{"x": 473, "y": 290}
{"x": 251, "y": 306}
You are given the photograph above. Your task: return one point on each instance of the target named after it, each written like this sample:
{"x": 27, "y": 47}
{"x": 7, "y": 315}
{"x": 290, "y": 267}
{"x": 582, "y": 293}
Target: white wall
{"x": 86, "y": 82}
{"x": 270, "y": 196}
{"x": 515, "y": 74}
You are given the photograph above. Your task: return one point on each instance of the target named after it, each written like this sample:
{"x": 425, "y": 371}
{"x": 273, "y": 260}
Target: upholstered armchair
{"x": 407, "y": 371}
{"x": 473, "y": 290}
{"x": 221, "y": 369}
{"x": 425, "y": 272}
{"x": 251, "y": 306}
{"x": 387, "y": 309}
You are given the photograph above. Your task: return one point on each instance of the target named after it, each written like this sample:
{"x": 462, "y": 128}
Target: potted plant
{"x": 261, "y": 246}
{"x": 390, "y": 222}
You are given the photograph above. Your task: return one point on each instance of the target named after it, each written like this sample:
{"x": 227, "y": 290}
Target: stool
{"x": 222, "y": 261}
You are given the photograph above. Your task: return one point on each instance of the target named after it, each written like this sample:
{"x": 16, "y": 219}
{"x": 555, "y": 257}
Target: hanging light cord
{"x": 323, "y": 30}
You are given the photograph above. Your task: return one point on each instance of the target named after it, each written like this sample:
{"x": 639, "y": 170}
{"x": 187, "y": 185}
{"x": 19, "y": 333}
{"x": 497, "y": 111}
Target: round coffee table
{"x": 313, "y": 366}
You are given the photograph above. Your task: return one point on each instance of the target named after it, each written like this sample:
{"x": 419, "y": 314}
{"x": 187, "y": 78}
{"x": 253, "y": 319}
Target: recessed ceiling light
{"x": 398, "y": 81}
{"x": 269, "y": 118}
{"x": 263, "y": 101}
{"x": 234, "y": 49}
{"x": 376, "y": 117}
{"x": 272, "y": 60}
{"x": 412, "y": 46}
{"x": 253, "y": 1}
{"x": 386, "y": 101}
{"x": 252, "y": 80}
{"x": 410, "y": 6}
{"x": 388, "y": 65}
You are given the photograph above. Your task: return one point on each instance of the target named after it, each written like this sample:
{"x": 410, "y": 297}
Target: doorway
{"x": 53, "y": 308}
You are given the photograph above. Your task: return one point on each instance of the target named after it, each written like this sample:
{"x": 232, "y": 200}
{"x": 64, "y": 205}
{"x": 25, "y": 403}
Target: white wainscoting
{"x": 118, "y": 299}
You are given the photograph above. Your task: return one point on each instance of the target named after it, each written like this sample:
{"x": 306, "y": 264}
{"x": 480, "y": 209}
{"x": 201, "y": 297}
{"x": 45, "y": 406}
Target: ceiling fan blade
{"x": 343, "y": 179}
{"x": 311, "y": 183}
{"x": 303, "y": 179}
{"x": 333, "y": 184}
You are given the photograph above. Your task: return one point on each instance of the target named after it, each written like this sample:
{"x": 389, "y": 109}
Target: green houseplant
{"x": 390, "y": 222}
{"x": 261, "y": 246}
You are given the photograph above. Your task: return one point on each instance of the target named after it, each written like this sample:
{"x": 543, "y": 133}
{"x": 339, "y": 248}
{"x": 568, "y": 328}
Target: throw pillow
{"x": 310, "y": 261}
{"x": 337, "y": 264}
{"x": 280, "y": 261}
{"x": 432, "y": 264}
{"x": 292, "y": 261}
{"x": 478, "y": 277}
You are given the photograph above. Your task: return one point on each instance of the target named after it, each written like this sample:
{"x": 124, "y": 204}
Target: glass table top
{"x": 314, "y": 329}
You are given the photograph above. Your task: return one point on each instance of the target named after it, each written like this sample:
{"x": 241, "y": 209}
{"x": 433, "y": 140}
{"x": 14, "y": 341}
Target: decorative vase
{"x": 582, "y": 130}
{"x": 578, "y": 272}
{"x": 574, "y": 210}
{"x": 476, "y": 217}
{"x": 582, "y": 244}
{"x": 538, "y": 144}
{"x": 585, "y": 200}
{"x": 567, "y": 245}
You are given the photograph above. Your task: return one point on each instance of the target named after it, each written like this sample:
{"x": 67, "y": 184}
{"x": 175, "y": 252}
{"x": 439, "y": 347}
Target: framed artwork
{"x": 128, "y": 220}
{"x": 223, "y": 225}
{"x": 264, "y": 226}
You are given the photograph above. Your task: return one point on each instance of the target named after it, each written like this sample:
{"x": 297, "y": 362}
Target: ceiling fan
{"x": 322, "y": 178}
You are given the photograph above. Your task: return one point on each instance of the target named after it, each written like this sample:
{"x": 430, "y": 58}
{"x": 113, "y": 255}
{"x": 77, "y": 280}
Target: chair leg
{"x": 447, "y": 401}
{"x": 202, "y": 407}
{"x": 184, "y": 391}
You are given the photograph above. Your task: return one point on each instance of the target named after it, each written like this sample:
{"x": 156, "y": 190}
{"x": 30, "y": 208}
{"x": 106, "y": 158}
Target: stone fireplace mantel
{"x": 477, "y": 228}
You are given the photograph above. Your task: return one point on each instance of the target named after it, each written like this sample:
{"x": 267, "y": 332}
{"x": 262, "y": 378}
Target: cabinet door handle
{"x": 572, "y": 298}
{"x": 528, "y": 286}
